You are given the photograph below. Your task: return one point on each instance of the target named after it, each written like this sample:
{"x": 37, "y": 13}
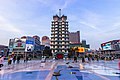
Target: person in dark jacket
{"x": 75, "y": 58}
{"x": 14, "y": 59}
{"x": 18, "y": 59}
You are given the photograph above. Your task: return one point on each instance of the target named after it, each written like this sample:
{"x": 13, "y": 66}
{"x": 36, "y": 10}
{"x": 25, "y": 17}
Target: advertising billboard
{"x": 81, "y": 49}
{"x": 29, "y": 46}
{"x": 19, "y": 44}
{"x": 107, "y": 46}
{"x": 11, "y": 43}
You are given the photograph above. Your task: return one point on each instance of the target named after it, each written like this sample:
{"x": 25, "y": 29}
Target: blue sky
{"x": 97, "y": 20}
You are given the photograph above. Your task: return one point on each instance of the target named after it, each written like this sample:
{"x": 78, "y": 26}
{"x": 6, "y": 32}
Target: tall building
{"x": 74, "y": 37}
{"x": 59, "y": 34}
{"x": 37, "y": 43}
{"x": 83, "y": 43}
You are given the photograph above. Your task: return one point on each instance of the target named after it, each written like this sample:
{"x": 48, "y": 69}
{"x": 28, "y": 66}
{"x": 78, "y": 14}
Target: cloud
{"x": 5, "y": 25}
{"x": 113, "y": 25}
{"x": 67, "y": 2}
{"x": 90, "y": 18}
{"x": 87, "y": 18}
{"x": 116, "y": 24}
{"x": 8, "y": 30}
{"x": 88, "y": 24}
{"x": 55, "y": 5}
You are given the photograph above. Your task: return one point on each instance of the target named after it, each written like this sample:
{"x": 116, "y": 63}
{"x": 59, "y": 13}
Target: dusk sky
{"x": 97, "y": 20}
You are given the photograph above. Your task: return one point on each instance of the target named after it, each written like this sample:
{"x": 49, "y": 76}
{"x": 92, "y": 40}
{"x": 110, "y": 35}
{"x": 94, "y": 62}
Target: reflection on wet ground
{"x": 35, "y": 70}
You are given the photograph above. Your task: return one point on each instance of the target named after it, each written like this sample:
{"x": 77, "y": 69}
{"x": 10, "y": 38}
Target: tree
{"x": 47, "y": 51}
{"x": 71, "y": 52}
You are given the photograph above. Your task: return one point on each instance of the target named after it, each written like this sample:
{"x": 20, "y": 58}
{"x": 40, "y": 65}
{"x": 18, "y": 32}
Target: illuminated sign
{"x": 81, "y": 49}
{"x": 107, "y": 46}
{"x": 29, "y": 46}
{"x": 19, "y": 45}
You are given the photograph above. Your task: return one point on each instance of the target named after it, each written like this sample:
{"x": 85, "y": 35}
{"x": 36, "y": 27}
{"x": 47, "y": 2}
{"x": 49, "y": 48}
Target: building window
{"x": 56, "y": 39}
{"x": 63, "y": 50}
{"x": 56, "y": 22}
{"x": 60, "y": 32}
{"x": 55, "y": 46}
{"x": 59, "y": 23}
{"x": 55, "y": 50}
{"x": 63, "y": 29}
{"x": 63, "y": 42}
{"x": 62, "y": 39}
{"x": 55, "y": 42}
{"x": 63, "y": 32}
{"x": 60, "y": 36}
{"x": 56, "y": 25}
{"x": 59, "y": 29}
{"x": 56, "y": 35}
{"x": 66, "y": 23}
{"x": 63, "y": 36}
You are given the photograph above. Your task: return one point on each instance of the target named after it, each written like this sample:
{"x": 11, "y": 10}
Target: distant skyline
{"x": 97, "y": 20}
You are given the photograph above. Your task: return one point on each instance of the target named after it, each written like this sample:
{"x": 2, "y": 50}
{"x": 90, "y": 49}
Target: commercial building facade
{"x": 24, "y": 45}
{"x": 74, "y": 37}
{"x": 111, "y": 45}
{"x": 111, "y": 48}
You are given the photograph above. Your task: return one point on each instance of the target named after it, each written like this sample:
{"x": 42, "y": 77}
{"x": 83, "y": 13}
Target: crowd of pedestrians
{"x": 13, "y": 59}
{"x": 91, "y": 58}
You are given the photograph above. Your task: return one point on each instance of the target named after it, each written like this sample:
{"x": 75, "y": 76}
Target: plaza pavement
{"x": 102, "y": 70}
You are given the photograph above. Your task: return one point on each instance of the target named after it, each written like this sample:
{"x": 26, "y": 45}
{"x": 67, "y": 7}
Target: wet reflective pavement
{"x": 29, "y": 75}
{"x": 92, "y": 71}
{"x": 102, "y": 70}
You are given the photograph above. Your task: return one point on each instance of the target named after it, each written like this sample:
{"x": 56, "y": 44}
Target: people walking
{"x": 26, "y": 59}
{"x": 83, "y": 59}
{"x": 75, "y": 59}
{"x": 10, "y": 60}
{"x": 1, "y": 61}
{"x": 89, "y": 60}
{"x": 18, "y": 59}
{"x": 14, "y": 59}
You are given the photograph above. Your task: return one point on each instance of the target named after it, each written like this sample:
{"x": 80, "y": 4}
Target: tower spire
{"x": 59, "y": 12}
